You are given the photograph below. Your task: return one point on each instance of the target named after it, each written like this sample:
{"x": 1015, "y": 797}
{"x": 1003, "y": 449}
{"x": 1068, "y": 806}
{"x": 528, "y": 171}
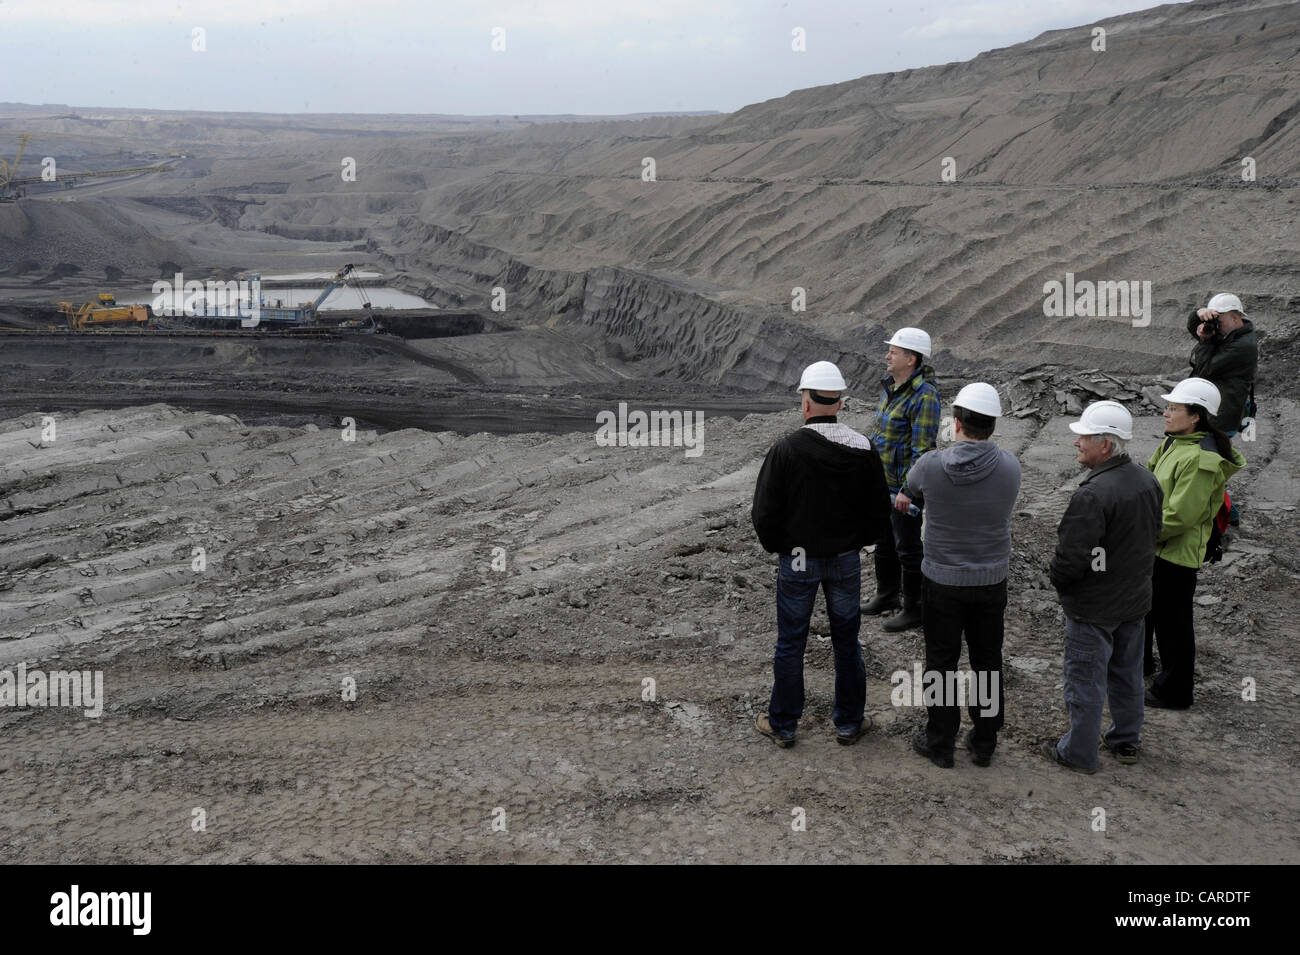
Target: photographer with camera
{"x": 1226, "y": 353}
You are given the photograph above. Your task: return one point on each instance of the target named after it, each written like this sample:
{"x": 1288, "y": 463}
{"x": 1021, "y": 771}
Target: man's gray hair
{"x": 1118, "y": 445}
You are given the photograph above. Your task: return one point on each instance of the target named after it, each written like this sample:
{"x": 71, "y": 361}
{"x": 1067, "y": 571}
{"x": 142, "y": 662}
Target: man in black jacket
{"x": 1105, "y": 550}
{"x": 820, "y": 498}
{"x": 1226, "y": 354}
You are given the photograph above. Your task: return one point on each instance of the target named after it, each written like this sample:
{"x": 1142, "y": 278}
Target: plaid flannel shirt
{"x": 907, "y": 424}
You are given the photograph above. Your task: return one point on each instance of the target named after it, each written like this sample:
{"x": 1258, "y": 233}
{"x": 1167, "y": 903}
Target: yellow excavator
{"x": 106, "y": 312}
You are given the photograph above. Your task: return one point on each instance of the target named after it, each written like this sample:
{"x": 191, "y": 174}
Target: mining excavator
{"x": 105, "y": 312}
{"x": 11, "y": 184}
{"x": 9, "y": 174}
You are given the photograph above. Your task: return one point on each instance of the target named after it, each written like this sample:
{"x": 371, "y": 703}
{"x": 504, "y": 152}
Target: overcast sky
{"x": 560, "y": 56}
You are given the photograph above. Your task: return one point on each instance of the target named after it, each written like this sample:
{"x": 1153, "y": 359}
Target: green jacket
{"x": 1192, "y": 478}
{"x": 907, "y": 424}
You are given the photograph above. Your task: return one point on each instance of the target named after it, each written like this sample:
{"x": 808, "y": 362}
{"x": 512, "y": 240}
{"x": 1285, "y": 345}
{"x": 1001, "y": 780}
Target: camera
{"x": 1212, "y": 326}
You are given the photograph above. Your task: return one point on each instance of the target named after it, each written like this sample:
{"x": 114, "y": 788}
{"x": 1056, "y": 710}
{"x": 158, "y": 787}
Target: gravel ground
{"x": 504, "y": 714}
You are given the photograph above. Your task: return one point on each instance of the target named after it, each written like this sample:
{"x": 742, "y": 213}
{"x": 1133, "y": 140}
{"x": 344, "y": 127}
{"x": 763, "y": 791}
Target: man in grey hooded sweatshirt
{"x": 969, "y": 489}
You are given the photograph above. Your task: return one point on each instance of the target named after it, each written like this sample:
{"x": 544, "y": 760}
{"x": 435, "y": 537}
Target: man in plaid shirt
{"x": 907, "y": 425}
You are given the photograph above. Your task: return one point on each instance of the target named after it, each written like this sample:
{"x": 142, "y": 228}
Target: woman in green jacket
{"x": 1192, "y": 464}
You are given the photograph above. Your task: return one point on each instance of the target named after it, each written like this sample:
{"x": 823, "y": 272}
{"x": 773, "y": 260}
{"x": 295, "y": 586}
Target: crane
{"x": 10, "y": 181}
{"x": 340, "y": 277}
{"x": 305, "y": 313}
{"x": 8, "y": 173}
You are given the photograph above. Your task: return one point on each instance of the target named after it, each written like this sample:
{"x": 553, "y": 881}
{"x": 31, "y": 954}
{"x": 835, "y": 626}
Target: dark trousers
{"x": 1170, "y": 622}
{"x": 977, "y": 611}
{"x": 840, "y": 578}
{"x": 900, "y": 551}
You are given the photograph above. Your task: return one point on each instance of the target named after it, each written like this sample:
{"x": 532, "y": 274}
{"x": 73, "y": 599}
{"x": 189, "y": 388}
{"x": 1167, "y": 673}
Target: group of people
{"x": 1129, "y": 545}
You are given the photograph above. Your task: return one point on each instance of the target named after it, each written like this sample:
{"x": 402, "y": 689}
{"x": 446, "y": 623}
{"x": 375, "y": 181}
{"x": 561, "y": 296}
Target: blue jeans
{"x": 840, "y": 578}
{"x": 1102, "y": 662}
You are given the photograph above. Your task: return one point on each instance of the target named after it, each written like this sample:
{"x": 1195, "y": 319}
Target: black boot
{"x": 910, "y": 615}
{"x": 886, "y": 597}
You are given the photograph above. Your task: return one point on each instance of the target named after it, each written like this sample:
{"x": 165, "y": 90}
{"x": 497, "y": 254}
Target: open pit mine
{"x": 369, "y": 566}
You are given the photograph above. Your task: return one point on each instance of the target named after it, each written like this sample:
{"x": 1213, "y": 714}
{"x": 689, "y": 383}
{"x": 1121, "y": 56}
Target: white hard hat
{"x": 913, "y": 339}
{"x": 1195, "y": 391}
{"x": 822, "y": 376}
{"x": 980, "y": 398}
{"x": 1225, "y": 302}
{"x": 1104, "y": 417}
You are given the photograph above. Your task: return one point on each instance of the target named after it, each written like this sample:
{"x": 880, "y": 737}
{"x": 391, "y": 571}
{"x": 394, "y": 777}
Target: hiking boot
{"x": 921, "y": 745}
{"x": 764, "y": 726}
{"x": 882, "y": 601}
{"x": 906, "y": 619}
{"x": 848, "y": 739}
{"x": 886, "y": 597}
{"x": 978, "y": 757}
{"x": 910, "y": 616}
{"x": 1125, "y": 753}
{"x": 1049, "y": 750}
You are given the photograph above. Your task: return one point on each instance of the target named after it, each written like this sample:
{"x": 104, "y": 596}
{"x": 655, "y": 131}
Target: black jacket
{"x": 1228, "y": 361}
{"x": 820, "y": 495}
{"x": 1117, "y": 508}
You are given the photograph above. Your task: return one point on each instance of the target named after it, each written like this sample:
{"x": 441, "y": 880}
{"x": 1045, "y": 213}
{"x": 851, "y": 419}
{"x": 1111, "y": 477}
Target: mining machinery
{"x": 11, "y": 184}
{"x": 104, "y": 312}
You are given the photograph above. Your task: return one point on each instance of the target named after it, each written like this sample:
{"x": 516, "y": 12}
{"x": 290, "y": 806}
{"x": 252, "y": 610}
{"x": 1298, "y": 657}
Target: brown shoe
{"x": 764, "y": 726}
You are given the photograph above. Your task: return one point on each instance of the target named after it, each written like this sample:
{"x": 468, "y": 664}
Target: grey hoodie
{"x": 969, "y": 489}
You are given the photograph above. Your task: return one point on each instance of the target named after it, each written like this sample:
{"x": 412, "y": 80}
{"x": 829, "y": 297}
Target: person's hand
{"x": 902, "y": 502}
{"x": 1205, "y": 315}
